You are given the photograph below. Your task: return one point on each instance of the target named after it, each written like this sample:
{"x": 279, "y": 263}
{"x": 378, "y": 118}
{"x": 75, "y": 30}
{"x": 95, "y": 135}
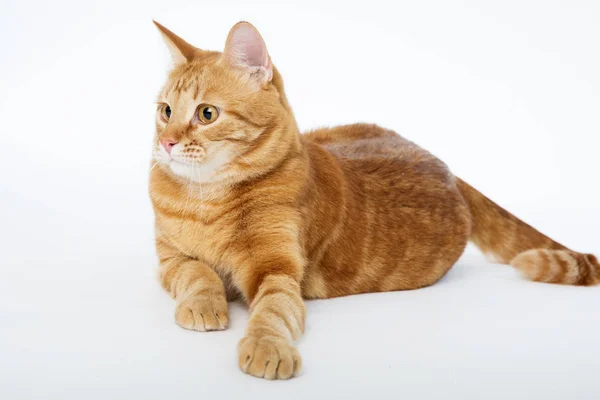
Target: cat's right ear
{"x": 181, "y": 51}
{"x": 245, "y": 48}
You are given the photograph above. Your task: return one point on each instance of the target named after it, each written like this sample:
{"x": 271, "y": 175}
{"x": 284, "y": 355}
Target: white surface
{"x": 507, "y": 93}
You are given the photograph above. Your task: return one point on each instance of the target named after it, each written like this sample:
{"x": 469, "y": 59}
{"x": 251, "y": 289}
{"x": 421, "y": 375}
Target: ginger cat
{"x": 246, "y": 206}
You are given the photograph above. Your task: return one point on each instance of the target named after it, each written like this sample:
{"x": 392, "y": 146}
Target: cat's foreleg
{"x": 201, "y": 303}
{"x": 270, "y": 283}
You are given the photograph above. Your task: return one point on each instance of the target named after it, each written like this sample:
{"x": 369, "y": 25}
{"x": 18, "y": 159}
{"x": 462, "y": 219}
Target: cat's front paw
{"x": 269, "y": 358}
{"x": 202, "y": 313}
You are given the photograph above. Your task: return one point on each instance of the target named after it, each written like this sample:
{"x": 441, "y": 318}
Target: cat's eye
{"x": 165, "y": 112}
{"x": 207, "y": 114}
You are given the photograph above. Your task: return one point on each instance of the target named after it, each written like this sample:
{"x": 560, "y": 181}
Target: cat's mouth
{"x": 177, "y": 162}
{"x": 186, "y": 163}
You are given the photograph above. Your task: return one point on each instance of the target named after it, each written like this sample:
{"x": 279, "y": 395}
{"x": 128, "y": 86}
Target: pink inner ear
{"x": 248, "y": 48}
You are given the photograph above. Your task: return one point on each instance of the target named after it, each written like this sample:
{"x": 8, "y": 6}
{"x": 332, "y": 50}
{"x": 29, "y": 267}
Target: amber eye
{"x": 165, "y": 112}
{"x": 207, "y": 114}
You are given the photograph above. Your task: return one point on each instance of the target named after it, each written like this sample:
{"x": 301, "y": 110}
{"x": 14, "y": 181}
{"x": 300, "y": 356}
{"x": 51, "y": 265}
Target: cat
{"x": 248, "y": 207}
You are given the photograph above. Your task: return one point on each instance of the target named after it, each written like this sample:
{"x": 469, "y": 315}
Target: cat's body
{"x": 373, "y": 212}
{"x": 246, "y": 206}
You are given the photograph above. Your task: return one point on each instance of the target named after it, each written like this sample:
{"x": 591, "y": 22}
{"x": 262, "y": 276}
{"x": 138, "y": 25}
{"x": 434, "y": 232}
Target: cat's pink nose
{"x": 168, "y": 144}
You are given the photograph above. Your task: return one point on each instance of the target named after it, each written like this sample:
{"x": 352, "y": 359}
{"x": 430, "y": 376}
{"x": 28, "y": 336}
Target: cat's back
{"x": 368, "y": 149}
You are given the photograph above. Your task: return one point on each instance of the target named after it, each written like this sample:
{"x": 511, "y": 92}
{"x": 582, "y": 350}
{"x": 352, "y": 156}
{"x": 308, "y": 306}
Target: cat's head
{"x": 222, "y": 117}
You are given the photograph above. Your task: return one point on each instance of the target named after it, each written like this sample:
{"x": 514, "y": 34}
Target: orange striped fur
{"x": 509, "y": 240}
{"x": 248, "y": 207}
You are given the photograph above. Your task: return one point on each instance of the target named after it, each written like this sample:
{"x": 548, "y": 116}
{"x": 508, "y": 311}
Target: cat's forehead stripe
{"x": 190, "y": 78}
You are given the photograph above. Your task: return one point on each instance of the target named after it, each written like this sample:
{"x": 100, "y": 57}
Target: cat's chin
{"x": 180, "y": 168}
{"x": 183, "y": 170}
{"x": 203, "y": 173}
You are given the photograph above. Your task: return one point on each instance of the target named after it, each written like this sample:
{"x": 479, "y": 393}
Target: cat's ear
{"x": 245, "y": 48}
{"x": 181, "y": 51}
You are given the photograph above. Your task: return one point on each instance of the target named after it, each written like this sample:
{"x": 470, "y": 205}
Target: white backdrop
{"x": 507, "y": 93}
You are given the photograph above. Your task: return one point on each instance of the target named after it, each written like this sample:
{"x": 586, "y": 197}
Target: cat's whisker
{"x": 187, "y": 200}
{"x": 151, "y": 168}
{"x": 194, "y": 166}
{"x": 201, "y": 194}
{"x": 247, "y": 162}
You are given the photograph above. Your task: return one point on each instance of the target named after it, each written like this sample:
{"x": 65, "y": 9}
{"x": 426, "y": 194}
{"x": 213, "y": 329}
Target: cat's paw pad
{"x": 202, "y": 313}
{"x": 269, "y": 358}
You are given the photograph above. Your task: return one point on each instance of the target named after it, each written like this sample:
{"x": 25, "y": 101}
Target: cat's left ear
{"x": 245, "y": 48}
{"x": 181, "y": 51}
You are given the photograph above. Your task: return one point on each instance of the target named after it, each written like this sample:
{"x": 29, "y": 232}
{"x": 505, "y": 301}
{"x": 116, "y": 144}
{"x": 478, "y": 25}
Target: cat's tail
{"x": 507, "y": 239}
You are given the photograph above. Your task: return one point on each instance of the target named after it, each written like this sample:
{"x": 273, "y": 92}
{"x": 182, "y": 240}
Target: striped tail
{"x": 507, "y": 239}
